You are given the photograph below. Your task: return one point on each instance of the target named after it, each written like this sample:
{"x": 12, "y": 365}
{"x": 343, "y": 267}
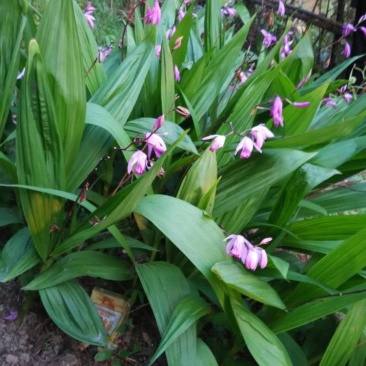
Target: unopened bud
{"x": 184, "y": 112}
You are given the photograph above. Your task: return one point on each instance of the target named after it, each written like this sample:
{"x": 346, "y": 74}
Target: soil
{"x": 33, "y": 339}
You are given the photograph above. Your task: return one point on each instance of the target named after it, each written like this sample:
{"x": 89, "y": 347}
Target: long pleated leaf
{"x": 60, "y": 46}
{"x": 313, "y": 310}
{"x": 84, "y": 263}
{"x": 118, "y": 94}
{"x": 335, "y": 268}
{"x": 346, "y": 338}
{"x": 93, "y": 70}
{"x": 193, "y": 232}
{"x": 17, "y": 256}
{"x": 186, "y": 313}
{"x": 165, "y": 287}
{"x": 237, "y": 278}
{"x": 263, "y": 344}
{"x": 69, "y": 306}
{"x": 12, "y": 23}
{"x": 40, "y": 158}
{"x": 243, "y": 178}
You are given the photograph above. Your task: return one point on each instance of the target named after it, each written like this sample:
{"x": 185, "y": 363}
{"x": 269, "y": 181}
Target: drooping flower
{"x": 329, "y": 102}
{"x": 363, "y": 30}
{"x": 269, "y": 39}
{"x": 158, "y": 50}
{"x": 228, "y": 10}
{"x": 256, "y": 256}
{"x": 158, "y": 123}
{"x": 154, "y": 143}
{"x": 260, "y": 133}
{"x": 21, "y": 74}
{"x": 103, "y": 53}
{"x": 347, "y": 29}
{"x": 12, "y": 315}
{"x": 276, "y": 112}
{"x": 182, "y": 111}
{"x": 153, "y": 15}
{"x": 169, "y": 33}
{"x": 303, "y": 81}
{"x": 347, "y": 50}
{"x": 246, "y": 146}
{"x": 237, "y": 245}
{"x": 137, "y": 163}
{"x": 286, "y": 49}
{"x": 281, "y": 9}
{"x": 217, "y": 143}
{"x": 301, "y": 104}
{"x": 88, "y": 11}
{"x": 181, "y": 14}
{"x": 176, "y": 73}
{"x": 347, "y": 97}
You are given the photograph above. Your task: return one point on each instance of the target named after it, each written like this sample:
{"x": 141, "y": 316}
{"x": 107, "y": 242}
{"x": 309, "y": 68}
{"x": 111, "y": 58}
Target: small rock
{"x": 11, "y": 359}
{"x": 24, "y": 357}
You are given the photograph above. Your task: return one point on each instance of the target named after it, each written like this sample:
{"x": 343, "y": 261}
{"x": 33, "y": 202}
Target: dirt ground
{"x": 35, "y": 341}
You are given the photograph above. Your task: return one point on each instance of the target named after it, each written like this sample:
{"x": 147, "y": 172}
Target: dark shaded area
{"x": 359, "y": 40}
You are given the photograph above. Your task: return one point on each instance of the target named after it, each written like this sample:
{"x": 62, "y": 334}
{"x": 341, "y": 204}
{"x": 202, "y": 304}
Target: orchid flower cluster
{"x": 228, "y": 10}
{"x": 258, "y": 134}
{"x": 140, "y": 161}
{"x": 331, "y": 102}
{"x": 250, "y": 255}
{"x": 349, "y": 28}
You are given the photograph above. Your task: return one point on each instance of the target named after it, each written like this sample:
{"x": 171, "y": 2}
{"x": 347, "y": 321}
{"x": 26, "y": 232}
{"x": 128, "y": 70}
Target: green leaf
{"x": 264, "y": 346}
{"x": 236, "y": 277}
{"x": 295, "y": 352}
{"x": 61, "y": 50}
{"x": 243, "y": 178}
{"x": 84, "y": 263}
{"x": 203, "y": 92}
{"x": 199, "y": 179}
{"x": 335, "y": 268}
{"x": 9, "y": 216}
{"x": 193, "y": 232}
{"x": 159, "y": 280}
{"x": 69, "y": 306}
{"x": 300, "y": 62}
{"x": 213, "y": 30}
{"x": 40, "y": 157}
{"x": 12, "y": 24}
{"x": 204, "y": 355}
{"x": 346, "y": 338}
{"x": 167, "y": 80}
{"x": 119, "y": 93}
{"x": 313, "y": 310}
{"x": 17, "y": 256}
{"x": 93, "y": 70}
{"x": 188, "y": 311}
{"x": 103, "y": 355}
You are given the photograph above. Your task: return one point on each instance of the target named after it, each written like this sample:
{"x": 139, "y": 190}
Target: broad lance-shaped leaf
{"x": 165, "y": 286}
{"x": 40, "y": 157}
{"x": 244, "y": 178}
{"x": 72, "y": 310}
{"x": 346, "y": 338}
{"x": 189, "y": 310}
{"x": 237, "y": 278}
{"x": 94, "y": 71}
{"x": 60, "y": 46}
{"x": 17, "y": 256}
{"x": 263, "y": 344}
{"x": 12, "y": 23}
{"x": 84, "y": 263}
{"x": 199, "y": 179}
